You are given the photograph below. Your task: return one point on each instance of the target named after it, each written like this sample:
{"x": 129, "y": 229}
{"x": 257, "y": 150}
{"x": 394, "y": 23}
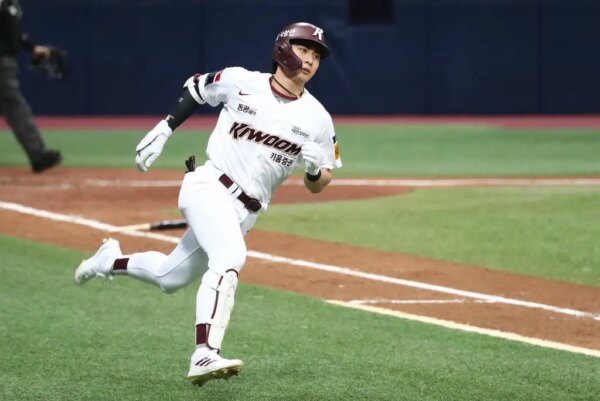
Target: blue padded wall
{"x": 426, "y": 57}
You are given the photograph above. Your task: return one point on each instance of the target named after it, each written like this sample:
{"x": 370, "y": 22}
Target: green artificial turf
{"x": 465, "y": 150}
{"x": 107, "y": 148}
{"x": 392, "y": 151}
{"x": 546, "y": 232}
{"x": 127, "y": 341}
{"x": 549, "y": 232}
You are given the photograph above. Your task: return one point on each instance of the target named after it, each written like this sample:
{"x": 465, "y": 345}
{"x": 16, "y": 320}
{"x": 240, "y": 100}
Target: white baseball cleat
{"x": 207, "y": 365}
{"x": 100, "y": 264}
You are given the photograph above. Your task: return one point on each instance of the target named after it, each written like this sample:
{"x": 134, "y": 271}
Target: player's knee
{"x": 235, "y": 260}
{"x": 169, "y": 287}
{"x": 238, "y": 262}
{"x": 223, "y": 266}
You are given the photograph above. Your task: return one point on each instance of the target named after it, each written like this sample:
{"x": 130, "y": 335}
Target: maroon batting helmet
{"x": 282, "y": 50}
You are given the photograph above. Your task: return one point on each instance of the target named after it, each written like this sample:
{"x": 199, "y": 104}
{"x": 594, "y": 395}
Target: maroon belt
{"x": 251, "y": 204}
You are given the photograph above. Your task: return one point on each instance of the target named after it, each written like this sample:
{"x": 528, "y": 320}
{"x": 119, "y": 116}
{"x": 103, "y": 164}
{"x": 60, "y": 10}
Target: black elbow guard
{"x": 185, "y": 107}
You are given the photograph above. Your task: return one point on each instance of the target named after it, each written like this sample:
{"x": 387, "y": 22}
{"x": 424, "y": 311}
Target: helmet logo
{"x": 287, "y": 33}
{"x": 318, "y": 32}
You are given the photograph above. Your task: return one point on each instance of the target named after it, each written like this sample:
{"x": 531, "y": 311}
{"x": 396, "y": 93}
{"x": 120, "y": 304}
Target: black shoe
{"x": 46, "y": 160}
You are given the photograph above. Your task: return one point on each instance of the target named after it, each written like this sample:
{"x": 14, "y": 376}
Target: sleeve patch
{"x": 212, "y": 78}
{"x": 336, "y": 149}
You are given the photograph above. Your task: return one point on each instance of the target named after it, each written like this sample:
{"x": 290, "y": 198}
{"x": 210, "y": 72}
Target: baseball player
{"x": 269, "y": 123}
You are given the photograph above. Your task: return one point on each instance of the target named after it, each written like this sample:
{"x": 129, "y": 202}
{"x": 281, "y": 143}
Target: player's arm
{"x": 316, "y": 174}
{"x": 321, "y": 156}
{"x": 316, "y": 183}
{"x": 212, "y": 88}
{"x": 187, "y": 103}
{"x": 151, "y": 146}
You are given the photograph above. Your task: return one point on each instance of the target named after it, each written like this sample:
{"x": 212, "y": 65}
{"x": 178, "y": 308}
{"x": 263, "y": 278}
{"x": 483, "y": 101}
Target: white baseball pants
{"x": 214, "y": 240}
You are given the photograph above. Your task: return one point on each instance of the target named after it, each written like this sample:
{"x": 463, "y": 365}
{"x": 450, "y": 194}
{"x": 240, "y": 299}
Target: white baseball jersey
{"x": 258, "y": 136}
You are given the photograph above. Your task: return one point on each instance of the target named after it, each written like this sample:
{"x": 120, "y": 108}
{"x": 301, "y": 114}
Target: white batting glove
{"x": 313, "y": 157}
{"x": 152, "y": 145}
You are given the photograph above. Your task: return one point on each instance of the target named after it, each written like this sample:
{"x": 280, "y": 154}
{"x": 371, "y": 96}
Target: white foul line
{"x": 15, "y": 207}
{"x": 345, "y": 182}
{"x": 411, "y": 301}
{"x": 304, "y": 263}
{"x": 423, "y": 286}
{"x": 459, "y": 182}
{"x": 465, "y": 327}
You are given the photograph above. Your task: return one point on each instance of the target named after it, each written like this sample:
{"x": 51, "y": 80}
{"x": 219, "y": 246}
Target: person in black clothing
{"x": 13, "y": 105}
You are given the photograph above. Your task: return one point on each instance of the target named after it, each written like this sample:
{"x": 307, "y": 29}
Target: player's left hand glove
{"x": 313, "y": 157}
{"x": 152, "y": 145}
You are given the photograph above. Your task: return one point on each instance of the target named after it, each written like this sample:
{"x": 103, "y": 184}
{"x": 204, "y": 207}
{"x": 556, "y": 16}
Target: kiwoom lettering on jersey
{"x": 249, "y": 133}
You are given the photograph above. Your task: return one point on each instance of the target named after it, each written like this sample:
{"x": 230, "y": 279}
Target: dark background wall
{"x": 388, "y": 56}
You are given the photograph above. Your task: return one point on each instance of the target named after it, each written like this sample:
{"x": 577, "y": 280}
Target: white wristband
{"x": 163, "y": 128}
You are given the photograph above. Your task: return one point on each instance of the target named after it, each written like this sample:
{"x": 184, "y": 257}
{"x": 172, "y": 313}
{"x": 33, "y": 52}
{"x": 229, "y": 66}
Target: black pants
{"x": 16, "y": 110}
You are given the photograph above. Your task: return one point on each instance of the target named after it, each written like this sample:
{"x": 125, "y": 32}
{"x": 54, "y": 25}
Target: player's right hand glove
{"x": 152, "y": 145}
{"x": 313, "y": 157}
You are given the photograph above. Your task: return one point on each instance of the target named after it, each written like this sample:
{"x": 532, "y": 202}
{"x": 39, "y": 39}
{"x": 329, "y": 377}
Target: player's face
{"x": 311, "y": 60}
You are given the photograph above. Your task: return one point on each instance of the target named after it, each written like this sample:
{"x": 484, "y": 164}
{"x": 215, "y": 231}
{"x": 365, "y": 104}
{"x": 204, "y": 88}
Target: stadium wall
{"x": 426, "y": 57}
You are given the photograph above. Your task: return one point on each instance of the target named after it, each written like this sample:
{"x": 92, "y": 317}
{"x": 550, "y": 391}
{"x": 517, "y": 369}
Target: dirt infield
{"x": 471, "y": 295}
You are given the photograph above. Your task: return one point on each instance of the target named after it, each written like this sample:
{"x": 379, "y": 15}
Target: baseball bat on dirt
{"x": 159, "y": 225}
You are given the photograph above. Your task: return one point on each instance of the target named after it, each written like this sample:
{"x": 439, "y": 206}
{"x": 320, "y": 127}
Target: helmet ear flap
{"x": 284, "y": 55}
